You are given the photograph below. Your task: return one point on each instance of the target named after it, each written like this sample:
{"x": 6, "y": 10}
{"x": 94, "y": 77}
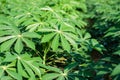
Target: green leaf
{"x": 87, "y": 36}
{"x": 6, "y": 78}
{"x": 71, "y": 38}
{"x": 50, "y": 76}
{"x": 28, "y": 69}
{"x": 35, "y": 68}
{"x": 116, "y": 70}
{"x": 21, "y": 70}
{"x": 60, "y": 78}
{"x": 14, "y": 74}
{"x": 10, "y": 24}
{"x": 55, "y": 43}
{"x": 9, "y": 57}
{"x": 47, "y": 37}
{"x": 29, "y": 43}
{"x": 94, "y": 42}
{"x": 46, "y": 30}
{"x": 70, "y": 67}
{"x": 32, "y": 78}
{"x": 67, "y": 28}
{"x": 65, "y": 44}
{"x": 70, "y": 35}
{"x": 6, "y": 45}
{"x": 18, "y": 45}
{"x": 5, "y": 32}
{"x": 2, "y": 39}
{"x": 1, "y": 72}
{"x": 51, "y": 68}
{"x": 33, "y": 27}
{"x": 31, "y": 35}
{"x": 102, "y": 72}
{"x": 117, "y": 52}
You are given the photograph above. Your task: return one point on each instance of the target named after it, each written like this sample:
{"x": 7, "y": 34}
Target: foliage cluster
{"x": 59, "y": 39}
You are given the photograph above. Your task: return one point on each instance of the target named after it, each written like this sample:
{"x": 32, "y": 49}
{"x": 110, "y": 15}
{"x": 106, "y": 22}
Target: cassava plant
{"x": 51, "y": 40}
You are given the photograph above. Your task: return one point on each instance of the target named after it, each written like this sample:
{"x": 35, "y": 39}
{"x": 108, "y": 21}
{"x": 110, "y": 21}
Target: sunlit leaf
{"x": 14, "y": 74}
{"x": 55, "y": 43}
{"x": 28, "y": 69}
{"x": 2, "y": 39}
{"x": 31, "y": 35}
{"x": 47, "y": 37}
{"x": 6, "y": 45}
{"x": 18, "y": 46}
{"x": 50, "y": 76}
{"x": 60, "y": 78}
{"x": 21, "y": 70}
{"x": 65, "y": 44}
{"x": 29, "y": 43}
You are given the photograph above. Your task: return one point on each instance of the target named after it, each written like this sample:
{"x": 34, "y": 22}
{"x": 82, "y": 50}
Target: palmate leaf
{"x": 24, "y": 38}
{"x": 8, "y": 70}
{"x": 28, "y": 67}
{"x": 59, "y": 74}
{"x": 9, "y": 30}
{"x": 8, "y": 41}
{"x": 60, "y": 34}
{"x": 21, "y": 66}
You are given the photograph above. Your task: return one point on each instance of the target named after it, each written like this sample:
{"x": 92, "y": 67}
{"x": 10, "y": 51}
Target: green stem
{"x": 45, "y": 53}
{"x": 44, "y": 58}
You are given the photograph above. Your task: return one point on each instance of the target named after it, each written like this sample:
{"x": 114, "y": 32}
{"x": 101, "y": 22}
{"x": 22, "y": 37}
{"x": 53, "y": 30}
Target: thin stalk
{"x": 45, "y": 53}
{"x": 51, "y": 56}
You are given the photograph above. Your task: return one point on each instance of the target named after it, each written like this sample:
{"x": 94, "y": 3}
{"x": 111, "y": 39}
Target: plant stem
{"x": 45, "y": 53}
{"x": 44, "y": 58}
